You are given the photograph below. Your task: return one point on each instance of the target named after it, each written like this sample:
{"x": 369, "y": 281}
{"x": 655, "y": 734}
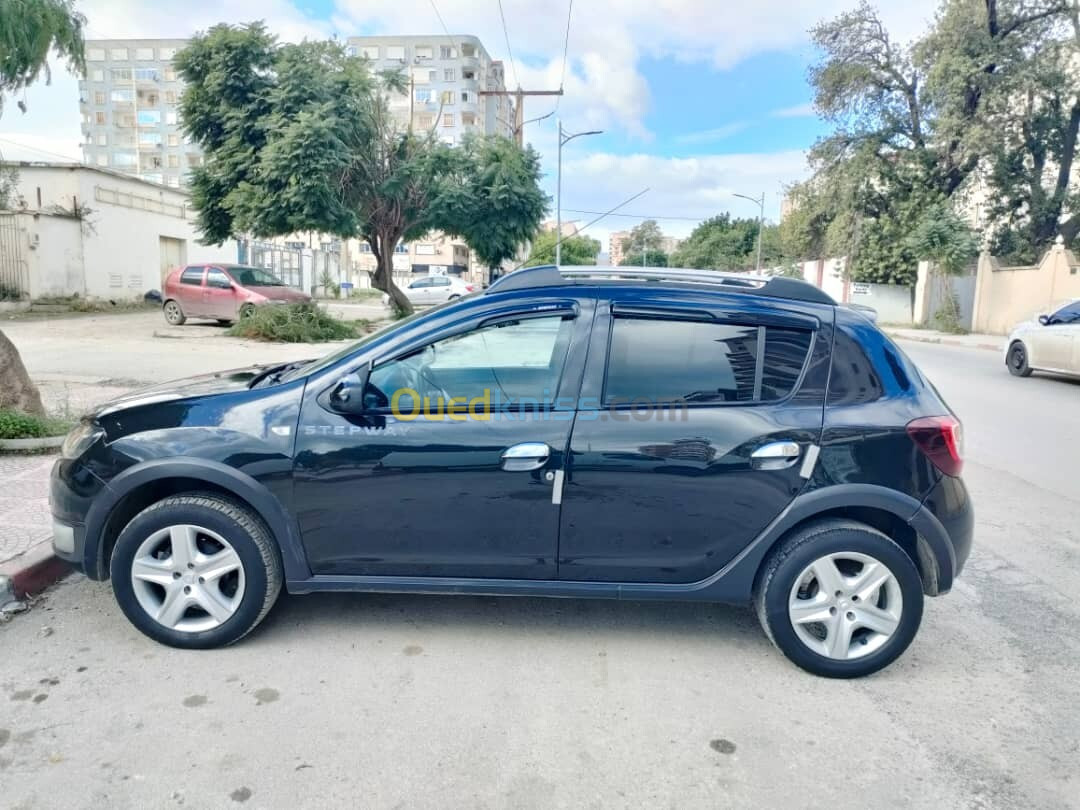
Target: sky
{"x": 698, "y": 100}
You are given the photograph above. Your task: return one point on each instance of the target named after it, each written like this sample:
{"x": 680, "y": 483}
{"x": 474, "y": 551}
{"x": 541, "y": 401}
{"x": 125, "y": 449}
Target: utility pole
{"x": 644, "y": 251}
{"x": 760, "y": 221}
{"x": 519, "y": 107}
{"x": 564, "y": 138}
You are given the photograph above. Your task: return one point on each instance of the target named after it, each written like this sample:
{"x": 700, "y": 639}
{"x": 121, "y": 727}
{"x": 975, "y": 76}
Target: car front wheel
{"x": 840, "y": 599}
{"x": 1018, "y": 360}
{"x": 195, "y": 571}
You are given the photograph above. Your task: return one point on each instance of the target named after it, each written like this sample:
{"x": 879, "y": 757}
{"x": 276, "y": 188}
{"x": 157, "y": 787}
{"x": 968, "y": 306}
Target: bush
{"x": 292, "y": 323}
{"x": 17, "y": 425}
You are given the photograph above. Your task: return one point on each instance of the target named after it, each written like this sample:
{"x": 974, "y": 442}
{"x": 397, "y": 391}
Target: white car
{"x": 434, "y": 290}
{"x": 1050, "y": 343}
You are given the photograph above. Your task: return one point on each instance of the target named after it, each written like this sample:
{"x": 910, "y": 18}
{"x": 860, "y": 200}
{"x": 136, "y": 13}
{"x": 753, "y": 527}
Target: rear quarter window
{"x": 192, "y": 276}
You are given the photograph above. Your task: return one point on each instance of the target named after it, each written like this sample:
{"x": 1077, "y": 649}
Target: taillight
{"x": 941, "y": 440}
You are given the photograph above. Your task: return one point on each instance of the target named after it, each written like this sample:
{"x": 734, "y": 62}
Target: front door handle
{"x": 775, "y": 456}
{"x": 525, "y": 457}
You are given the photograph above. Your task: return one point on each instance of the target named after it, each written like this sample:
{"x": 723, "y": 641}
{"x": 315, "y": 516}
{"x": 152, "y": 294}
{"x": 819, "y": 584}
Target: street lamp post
{"x": 564, "y": 138}
{"x": 760, "y": 221}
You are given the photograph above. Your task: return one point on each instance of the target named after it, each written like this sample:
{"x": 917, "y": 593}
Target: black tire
{"x": 453, "y": 297}
{"x": 249, "y": 538}
{"x": 173, "y": 312}
{"x": 790, "y": 560}
{"x": 1017, "y": 360}
{"x": 224, "y": 322}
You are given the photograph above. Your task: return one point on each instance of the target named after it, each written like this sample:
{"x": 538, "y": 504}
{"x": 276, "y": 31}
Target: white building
{"x": 96, "y": 233}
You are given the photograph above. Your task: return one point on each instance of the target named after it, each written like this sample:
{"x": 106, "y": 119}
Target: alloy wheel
{"x": 845, "y": 605}
{"x": 188, "y": 578}
{"x": 172, "y": 312}
{"x": 1018, "y": 357}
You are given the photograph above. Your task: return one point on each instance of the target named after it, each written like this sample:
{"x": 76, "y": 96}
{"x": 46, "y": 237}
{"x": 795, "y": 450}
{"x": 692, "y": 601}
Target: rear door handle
{"x": 775, "y": 456}
{"x": 525, "y": 457}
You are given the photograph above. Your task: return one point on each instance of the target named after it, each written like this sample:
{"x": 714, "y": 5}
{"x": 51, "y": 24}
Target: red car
{"x": 222, "y": 292}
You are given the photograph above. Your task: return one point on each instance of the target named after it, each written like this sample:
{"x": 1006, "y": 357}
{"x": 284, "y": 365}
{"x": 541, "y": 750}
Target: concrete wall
{"x": 892, "y": 301}
{"x": 1005, "y": 296}
{"x": 115, "y": 251}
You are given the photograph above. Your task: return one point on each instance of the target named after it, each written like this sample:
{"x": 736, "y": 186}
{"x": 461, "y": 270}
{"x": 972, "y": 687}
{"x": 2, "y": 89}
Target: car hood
{"x": 221, "y": 382}
{"x": 280, "y": 293}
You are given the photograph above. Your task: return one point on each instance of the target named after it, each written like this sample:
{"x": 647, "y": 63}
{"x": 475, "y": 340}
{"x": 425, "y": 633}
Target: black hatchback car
{"x": 576, "y": 432}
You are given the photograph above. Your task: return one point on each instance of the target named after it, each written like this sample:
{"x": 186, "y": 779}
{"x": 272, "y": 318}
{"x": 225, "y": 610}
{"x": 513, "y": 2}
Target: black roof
{"x": 771, "y": 286}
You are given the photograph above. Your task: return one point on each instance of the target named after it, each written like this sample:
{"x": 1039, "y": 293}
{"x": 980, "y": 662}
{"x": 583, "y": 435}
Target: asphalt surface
{"x": 411, "y": 701}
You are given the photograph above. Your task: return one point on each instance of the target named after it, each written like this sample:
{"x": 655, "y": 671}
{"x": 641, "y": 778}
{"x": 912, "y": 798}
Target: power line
{"x": 437, "y": 14}
{"x": 565, "y": 51}
{"x": 641, "y": 216}
{"x": 67, "y": 158}
{"x": 509, "y": 50}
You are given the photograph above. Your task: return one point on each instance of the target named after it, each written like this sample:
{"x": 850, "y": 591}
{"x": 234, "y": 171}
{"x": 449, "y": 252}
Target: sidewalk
{"x": 27, "y": 564}
{"x": 994, "y": 343}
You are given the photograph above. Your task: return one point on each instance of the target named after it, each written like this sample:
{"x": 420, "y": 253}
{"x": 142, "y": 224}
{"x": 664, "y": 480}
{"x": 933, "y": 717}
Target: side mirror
{"x": 347, "y": 396}
{"x": 1044, "y": 320}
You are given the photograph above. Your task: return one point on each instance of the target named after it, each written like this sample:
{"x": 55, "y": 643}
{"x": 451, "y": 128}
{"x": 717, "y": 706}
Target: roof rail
{"x": 551, "y": 276}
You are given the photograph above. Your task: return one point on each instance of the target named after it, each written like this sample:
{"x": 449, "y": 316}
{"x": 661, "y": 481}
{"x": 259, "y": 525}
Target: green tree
{"x": 723, "y": 243}
{"x": 576, "y": 250}
{"x": 644, "y": 236}
{"x": 29, "y": 31}
{"x": 302, "y": 138}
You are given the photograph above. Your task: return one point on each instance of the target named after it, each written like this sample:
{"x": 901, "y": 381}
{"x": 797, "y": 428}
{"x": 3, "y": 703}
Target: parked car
{"x": 584, "y": 432}
{"x": 434, "y": 290}
{"x": 1049, "y": 343}
{"x": 222, "y": 292}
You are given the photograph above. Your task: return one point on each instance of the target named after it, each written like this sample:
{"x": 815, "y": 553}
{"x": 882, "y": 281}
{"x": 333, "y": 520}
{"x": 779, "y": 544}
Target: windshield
{"x": 254, "y": 277}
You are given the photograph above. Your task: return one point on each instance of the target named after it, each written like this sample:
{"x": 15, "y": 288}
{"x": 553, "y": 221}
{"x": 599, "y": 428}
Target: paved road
{"x": 383, "y": 701}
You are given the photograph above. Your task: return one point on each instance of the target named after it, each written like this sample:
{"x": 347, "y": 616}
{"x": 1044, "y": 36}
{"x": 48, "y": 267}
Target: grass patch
{"x": 302, "y": 322}
{"x": 18, "y": 425}
{"x": 364, "y": 293}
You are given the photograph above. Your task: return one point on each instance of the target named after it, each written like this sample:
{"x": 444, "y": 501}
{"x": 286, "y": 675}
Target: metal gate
{"x": 14, "y": 273}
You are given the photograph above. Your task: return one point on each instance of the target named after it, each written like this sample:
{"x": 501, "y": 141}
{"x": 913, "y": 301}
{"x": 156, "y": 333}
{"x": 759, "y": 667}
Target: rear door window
{"x": 665, "y": 361}
{"x": 192, "y": 276}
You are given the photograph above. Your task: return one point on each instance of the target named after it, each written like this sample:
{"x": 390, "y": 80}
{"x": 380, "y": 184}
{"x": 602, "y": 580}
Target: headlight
{"x": 79, "y": 440}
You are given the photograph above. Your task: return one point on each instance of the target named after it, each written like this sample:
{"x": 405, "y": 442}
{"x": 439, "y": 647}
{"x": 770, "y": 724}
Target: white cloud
{"x": 798, "y": 111}
{"x": 716, "y": 134}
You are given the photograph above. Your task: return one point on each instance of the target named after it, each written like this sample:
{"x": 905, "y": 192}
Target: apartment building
{"x": 446, "y": 75}
{"x": 130, "y": 119}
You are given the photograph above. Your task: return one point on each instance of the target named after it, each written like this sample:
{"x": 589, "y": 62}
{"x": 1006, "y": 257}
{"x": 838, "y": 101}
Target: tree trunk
{"x": 16, "y": 390}
{"x": 384, "y": 275}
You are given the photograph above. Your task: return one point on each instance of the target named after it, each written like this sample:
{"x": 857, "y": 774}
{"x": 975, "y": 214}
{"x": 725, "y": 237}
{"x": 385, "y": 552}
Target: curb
{"x": 993, "y": 347}
{"x": 33, "y": 571}
{"x": 24, "y": 445}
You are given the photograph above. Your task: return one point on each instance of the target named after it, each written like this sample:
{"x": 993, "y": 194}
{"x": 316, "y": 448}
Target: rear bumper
{"x": 945, "y": 523}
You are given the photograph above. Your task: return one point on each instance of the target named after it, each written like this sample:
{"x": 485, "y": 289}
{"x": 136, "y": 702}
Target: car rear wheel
{"x": 1018, "y": 360}
{"x": 840, "y": 599}
{"x": 174, "y": 315}
{"x": 195, "y": 571}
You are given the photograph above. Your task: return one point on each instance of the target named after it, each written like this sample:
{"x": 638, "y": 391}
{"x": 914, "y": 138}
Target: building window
{"x": 447, "y": 52}
{"x": 99, "y": 96}
{"x": 467, "y": 97}
{"x": 447, "y": 97}
{"x": 166, "y": 53}
{"x": 118, "y": 54}
{"x": 174, "y": 139}
{"x": 102, "y": 139}
{"x": 144, "y": 54}
{"x": 424, "y": 250}
{"x": 467, "y": 74}
{"x": 170, "y": 74}
{"x": 468, "y": 50}
{"x": 120, "y": 74}
{"x": 170, "y": 117}
{"x": 102, "y": 160}
{"x": 99, "y": 118}
{"x": 123, "y": 159}
{"x": 425, "y": 120}
{"x": 149, "y": 139}
{"x": 369, "y": 51}
{"x": 97, "y": 75}
{"x": 468, "y": 119}
{"x": 174, "y": 161}
{"x": 170, "y": 96}
{"x": 146, "y": 74}
{"x": 421, "y": 75}
{"x": 194, "y": 160}
{"x": 448, "y": 119}
{"x": 400, "y": 247}
{"x": 448, "y": 74}
{"x": 95, "y": 55}
{"x": 149, "y": 118}
{"x": 424, "y": 96}
{"x": 122, "y": 95}
{"x": 423, "y": 52}
{"x": 395, "y": 52}
{"x": 173, "y": 181}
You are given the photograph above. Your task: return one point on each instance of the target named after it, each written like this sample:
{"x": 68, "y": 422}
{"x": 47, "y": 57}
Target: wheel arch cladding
{"x": 138, "y": 487}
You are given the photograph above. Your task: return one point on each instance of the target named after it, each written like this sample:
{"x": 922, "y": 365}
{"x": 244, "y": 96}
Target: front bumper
{"x": 72, "y": 489}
